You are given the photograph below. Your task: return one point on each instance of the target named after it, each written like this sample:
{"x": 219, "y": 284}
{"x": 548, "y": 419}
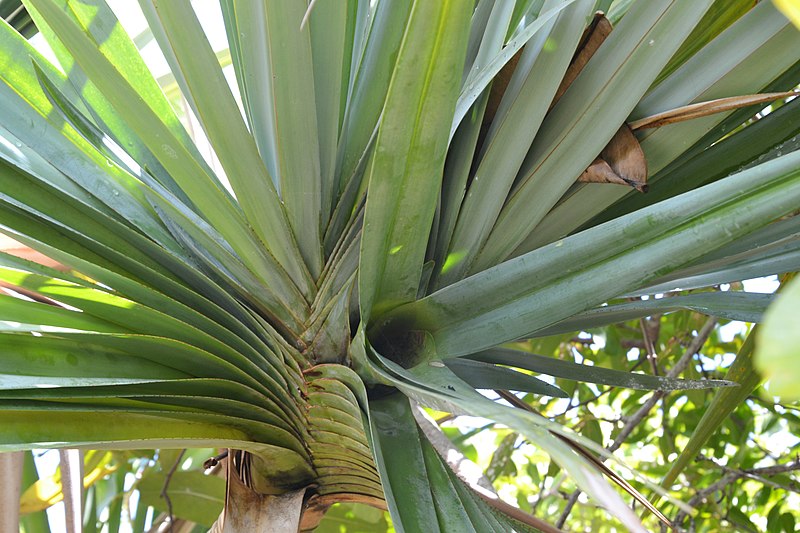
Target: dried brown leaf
{"x": 600, "y": 172}
{"x": 626, "y": 157}
{"x": 499, "y": 86}
{"x": 622, "y": 161}
{"x": 702, "y": 109}
{"x": 593, "y": 37}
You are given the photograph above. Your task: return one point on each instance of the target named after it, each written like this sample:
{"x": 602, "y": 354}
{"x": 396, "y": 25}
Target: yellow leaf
{"x": 790, "y": 8}
{"x": 47, "y": 491}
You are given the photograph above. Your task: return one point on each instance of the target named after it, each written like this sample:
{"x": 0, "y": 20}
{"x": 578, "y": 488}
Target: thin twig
{"x": 539, "y": 496}
{"x": 71, "y": 463}
{"x": 757, "y": 474}
{"x": 732, "y": 476}
{"x": 211, "y": 462}
{"x": 164, "y": 494}
{"x": 463, "y": 467}
{"x": 573, "y": 499}
{"x": 680, "y": 366}
{"x": 649, "y": 345}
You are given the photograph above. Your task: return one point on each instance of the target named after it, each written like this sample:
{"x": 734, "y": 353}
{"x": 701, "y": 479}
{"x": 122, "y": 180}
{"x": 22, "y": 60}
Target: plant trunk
{"x": 10, "y": 488}
{"x": 249, "y": 512}
{"x": 71, "y": 463}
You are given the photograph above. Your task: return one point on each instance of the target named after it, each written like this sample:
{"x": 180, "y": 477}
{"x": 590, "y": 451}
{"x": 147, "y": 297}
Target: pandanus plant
{"x": 405, "y": 188}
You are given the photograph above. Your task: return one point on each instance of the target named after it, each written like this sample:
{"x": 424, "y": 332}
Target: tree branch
{"x": 732, "y": 475}
{"x": 463, "y": 467}
{"x": 649, "y": 343}
{"x": 680, "y": 366}
{"x": 11, "y": 464}
{"x": 164, "y": 493}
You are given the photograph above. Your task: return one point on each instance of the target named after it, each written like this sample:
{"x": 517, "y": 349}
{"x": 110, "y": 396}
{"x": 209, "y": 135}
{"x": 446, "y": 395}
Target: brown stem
{"x": 649, "y": 345}
{"x": 444, "y": 449}
{"x": 463, "y": 467}
{"x": 164, "y": 493}
{"x": 11, "y": 477}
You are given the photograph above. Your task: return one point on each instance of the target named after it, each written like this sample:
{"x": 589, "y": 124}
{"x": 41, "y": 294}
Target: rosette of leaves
{"x": 397, "y": 194}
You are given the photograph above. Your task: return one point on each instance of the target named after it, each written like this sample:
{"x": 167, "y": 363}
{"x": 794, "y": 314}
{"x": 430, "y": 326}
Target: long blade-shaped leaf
{"x": 172, "y": 153}
{"x": 524, "y": 106}
{"x": 333, "y": 30}
{"x": 406, "y": 170}
{"x": 591, "y": 374}
{"x": 744, "y": 59}
{"x": 98, "y": 20}
{"x": 121, "y": 196}
{"x": 604, "y": 93}
{"x": 423, "y": 494}
{"x": 744, "y": 306}
{"x": 477, "y": 83}
{"x": 369, "y": 84}
{"x": 277, "y": 72}
{"x": 487, "y": 376}
{"x": 27, "y": 426}
{"x": 560, "y": 279}
{"x": 53, "y": 151}
{"x": 228, "y": 134}
{"x": 773, "y": 250}
{"x": 214, "y": 321}
{"x": 435, "y": 386}
{"x": 398, "y": 455}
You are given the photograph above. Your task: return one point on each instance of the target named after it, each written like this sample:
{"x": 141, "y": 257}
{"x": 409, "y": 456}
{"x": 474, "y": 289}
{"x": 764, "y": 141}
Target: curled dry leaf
{"x": 590, "y": 42}
{"x": 499, "y": 86}
{"x": 622, "y": 161}
{"x": 702, "y": 109}
{"x": 593, "y": 37}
